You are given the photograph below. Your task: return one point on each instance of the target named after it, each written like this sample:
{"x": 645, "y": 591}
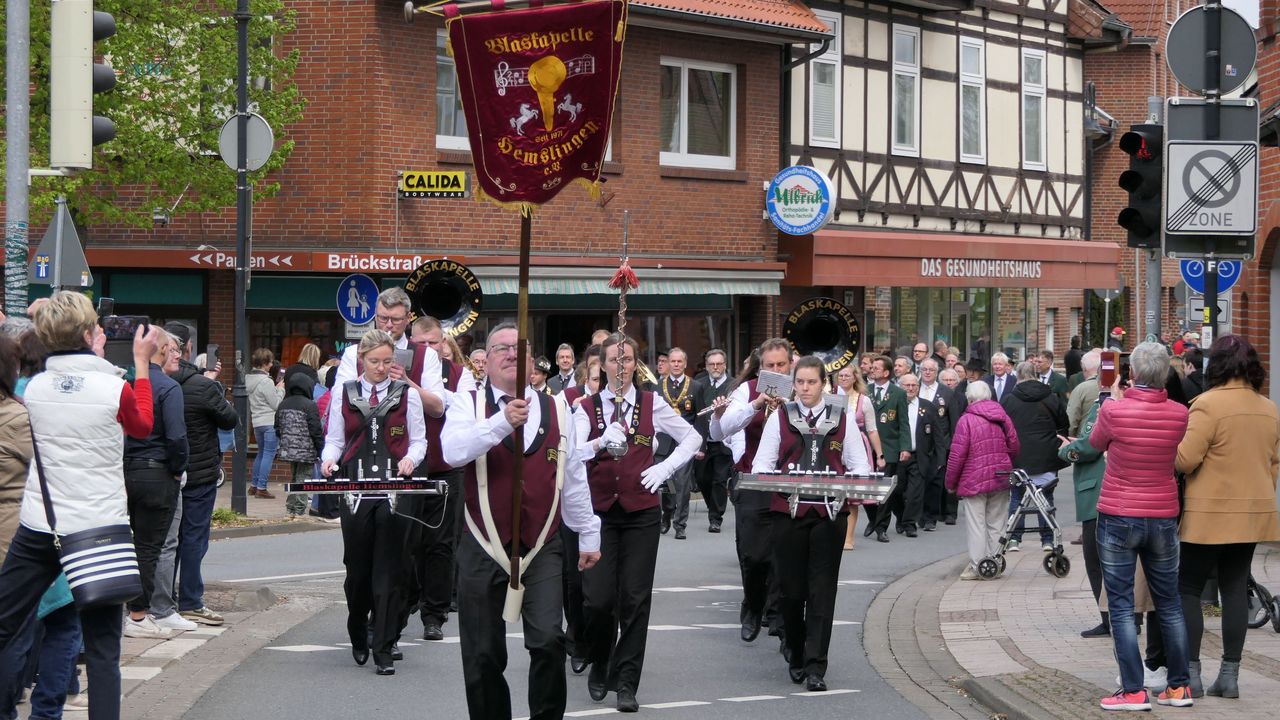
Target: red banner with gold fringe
{"x": 538, "y": 87}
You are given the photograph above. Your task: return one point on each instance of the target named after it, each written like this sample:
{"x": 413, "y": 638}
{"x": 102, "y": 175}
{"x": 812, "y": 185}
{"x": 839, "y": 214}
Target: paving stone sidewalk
{"x": 1018, "y": 639}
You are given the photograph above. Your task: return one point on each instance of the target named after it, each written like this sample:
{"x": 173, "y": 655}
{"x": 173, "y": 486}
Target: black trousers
{"x": 1195, "y": 565}
{"x": 482, "y": 592}
{"x": 807, "y": 555}
{"x": 873, "y": 510}
{"x": 434, "y": 552}
{"x": 617, "y": 593}
{"x": 1092, "y": 565}
{"x": 712, "y": 473}
{"x": 373, "y": 551}
{"x": 753, "y": 538}
{"x": 939, "y": 505}
{"x": 571, "y": 585}
{"x": 153, "y": 497}
{"x": 30, "y": 567}
{"x": 907, "y": 500}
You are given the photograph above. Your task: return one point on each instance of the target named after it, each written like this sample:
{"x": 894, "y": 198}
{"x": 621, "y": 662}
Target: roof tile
{"x": 778, "y": 13}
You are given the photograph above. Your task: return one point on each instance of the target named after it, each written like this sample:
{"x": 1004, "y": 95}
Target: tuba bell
{"x": 447, "y": 291}
{"x": 826, "y": 329}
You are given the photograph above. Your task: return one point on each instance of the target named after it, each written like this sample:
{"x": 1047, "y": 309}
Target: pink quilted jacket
{"x": 1140, "y": 435}
{"x": 985, "y": 443}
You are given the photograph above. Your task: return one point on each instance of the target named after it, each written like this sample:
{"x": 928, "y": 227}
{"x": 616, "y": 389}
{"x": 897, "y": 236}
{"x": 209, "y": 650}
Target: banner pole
{"x": 522, "y": 355}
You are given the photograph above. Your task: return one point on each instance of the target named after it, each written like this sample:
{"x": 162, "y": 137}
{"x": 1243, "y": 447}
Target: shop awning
{"x": 853, "y": 257}
{"x": 502, "y": 280}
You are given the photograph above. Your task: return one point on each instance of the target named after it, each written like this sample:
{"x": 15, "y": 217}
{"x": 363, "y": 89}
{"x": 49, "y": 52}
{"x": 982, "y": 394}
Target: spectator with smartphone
{"x": 265, "y": 394}
{"x": 77, "y": 411}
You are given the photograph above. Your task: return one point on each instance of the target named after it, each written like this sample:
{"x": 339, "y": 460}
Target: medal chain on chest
{"x": 675, "y": 403}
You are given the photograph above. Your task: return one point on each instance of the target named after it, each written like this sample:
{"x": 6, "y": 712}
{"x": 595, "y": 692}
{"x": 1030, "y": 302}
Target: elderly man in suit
{"x": 919, "y": 455}
{"x": 1056, "y": 381}
{"x": 1001, "y": 377}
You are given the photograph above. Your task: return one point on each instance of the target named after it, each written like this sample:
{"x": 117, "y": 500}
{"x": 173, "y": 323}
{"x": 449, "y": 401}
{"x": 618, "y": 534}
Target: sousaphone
{"x": 447, "y": 291}
{"x": 826, "y": 329}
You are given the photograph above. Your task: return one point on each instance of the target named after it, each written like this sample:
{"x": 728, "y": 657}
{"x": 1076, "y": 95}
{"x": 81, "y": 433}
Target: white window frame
{"x": 449, "y": 142}
{"x": 834, "y": 56}
{"x": 683, "y": 158}
{"x": 1050, "y": 331}
{"x": 979, "y": 81}
{"x": 912, "y": 70}
{"x": 1033, "y": 90}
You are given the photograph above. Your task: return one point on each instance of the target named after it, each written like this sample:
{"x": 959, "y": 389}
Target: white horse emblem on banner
{"x": 571, "y": 107}
{"x": 527, "y": 113}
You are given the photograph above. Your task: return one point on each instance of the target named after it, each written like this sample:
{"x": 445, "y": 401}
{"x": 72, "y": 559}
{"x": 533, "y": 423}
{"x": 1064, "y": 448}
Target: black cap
{"x": 975, "y": 365}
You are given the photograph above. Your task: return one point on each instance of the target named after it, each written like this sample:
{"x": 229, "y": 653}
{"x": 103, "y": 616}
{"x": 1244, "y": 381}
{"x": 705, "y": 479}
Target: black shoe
{"x": 578, "y": 665}
{"x": 666, "y": 525}
{"x": 715, "y": 528}
{"x": 901, "y": 529}
{"x": 775, "y": 631}
{"x": 910, "y": 532}
{"x": 596, "y": 682}
{"x": 870, "y": 528}
{"x": 815, "y": 683}
{"x": 949, "y": 520}
{"x": 396, "y": 653}
{"x": 797, "y": 674}
{"x": 384, "y": 669}
{"x": 627, "y": 701}
{"x": 881, "y": 536}
{"x": 750, "y": 626}
{"x": 930, "y": 526}
{"x": 432, "y": 631}
{"x": 361, "y": 655}
{"x": 680, "y": 535}
{"x": 785, "y": 649}
{"x": 1098, "y": 631}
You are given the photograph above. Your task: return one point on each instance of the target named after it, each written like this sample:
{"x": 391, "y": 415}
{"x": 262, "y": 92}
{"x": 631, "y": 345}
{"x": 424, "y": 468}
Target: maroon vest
{"x": 790, "y": 446}
{"x": 395, "y": 427}
{"x": 540, "y": 463}
{"x": 753, "y": 431}
{"x": 617, "y": 480}
{"x": 571, "y": 393}
{"x": 436, "y": 465}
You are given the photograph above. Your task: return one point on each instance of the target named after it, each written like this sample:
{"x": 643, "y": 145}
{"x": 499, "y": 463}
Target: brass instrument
{"x": 447, "y": 291}
{"x": 826, "y": 329}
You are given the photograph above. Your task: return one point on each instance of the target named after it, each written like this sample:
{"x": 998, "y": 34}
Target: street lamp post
{"x": 240, "y": 461}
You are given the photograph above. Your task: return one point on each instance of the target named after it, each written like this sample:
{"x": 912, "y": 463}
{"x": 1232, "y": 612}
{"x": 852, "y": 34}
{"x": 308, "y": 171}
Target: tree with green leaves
{"x": 175, "y": 65}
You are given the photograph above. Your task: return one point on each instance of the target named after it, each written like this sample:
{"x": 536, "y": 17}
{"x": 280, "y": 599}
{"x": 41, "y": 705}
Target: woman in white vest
{"x": 78, "y": 407}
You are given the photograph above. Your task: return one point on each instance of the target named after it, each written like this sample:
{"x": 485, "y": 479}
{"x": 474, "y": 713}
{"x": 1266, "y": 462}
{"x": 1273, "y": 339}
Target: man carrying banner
{"x": 615, "y": 437}
{"x": 555, "y": 488}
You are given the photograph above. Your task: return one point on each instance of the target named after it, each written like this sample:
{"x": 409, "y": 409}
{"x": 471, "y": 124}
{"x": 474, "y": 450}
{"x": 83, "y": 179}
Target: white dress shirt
{"x": 998, "y": 385}
{"x": 429, "y": 381}
{"x": 737, "y": 415}
{"x": 335, "y": 440}
{"x": 465, "y": 438}
{"x": 852, "y": 451}
{"x": 928, "y": 392}
{"x": 665, "y": 420}
{"x": 884, "y": 389}
{"x": 913, "y": 413}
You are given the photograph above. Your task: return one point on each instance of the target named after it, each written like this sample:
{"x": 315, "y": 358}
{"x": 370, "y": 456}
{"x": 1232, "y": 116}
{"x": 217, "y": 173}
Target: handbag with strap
{"x": 100, "y": 563}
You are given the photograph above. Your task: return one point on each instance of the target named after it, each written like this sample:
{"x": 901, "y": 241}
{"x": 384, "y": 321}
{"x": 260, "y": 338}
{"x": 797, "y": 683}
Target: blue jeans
{"x": 267, "y": 445}
{"x": 193, "y": 543}
{"x": 58, "y": 654}
{"x": 1121, "y": 540}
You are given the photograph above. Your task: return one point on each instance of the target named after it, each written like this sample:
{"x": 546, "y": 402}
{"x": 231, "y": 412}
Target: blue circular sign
{"x": 1193, "y": 273}
{"x": 800, "y": 200}
{"x": 357, "y": 298}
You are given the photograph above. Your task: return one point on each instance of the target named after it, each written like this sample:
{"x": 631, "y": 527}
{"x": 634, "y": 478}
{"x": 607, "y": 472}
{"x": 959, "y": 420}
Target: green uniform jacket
{"x": 891, "y": 420}
{"x": 1089, "y": 464}
{"x": 1058, "y": 384}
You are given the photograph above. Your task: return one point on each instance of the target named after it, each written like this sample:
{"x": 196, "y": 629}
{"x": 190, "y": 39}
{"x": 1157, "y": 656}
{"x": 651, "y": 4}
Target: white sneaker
{"x": 1158, "y": 678}
{"x": 175, "y": 622}
{"x": 145, "y": 628}
{"x": 1012, "y": 546}
{"x": 77, "y": 702}
{"x": 1047, "y": 547}
{"x": 970, "y": 573}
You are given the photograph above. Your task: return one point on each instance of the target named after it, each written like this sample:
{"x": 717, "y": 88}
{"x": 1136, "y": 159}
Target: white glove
{"x": 615, "y": 434}
{"x": 656, "y": 476}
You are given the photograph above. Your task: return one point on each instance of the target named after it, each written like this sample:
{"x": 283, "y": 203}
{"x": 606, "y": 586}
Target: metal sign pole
{"x": 239, "y": 393}
{"x": 56, "y": 268}
{"x": 1213, "y": 71}
{"x": 1210, "y": 330}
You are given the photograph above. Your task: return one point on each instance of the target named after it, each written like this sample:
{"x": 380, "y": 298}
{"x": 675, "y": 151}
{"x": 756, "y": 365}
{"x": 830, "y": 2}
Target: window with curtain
{"x": 697, "y": 114}
{"x": 824, "y": 88}
{"x": 973, "y": 110}
{"x": 906, "y": 90}
{"x": 451, "y": 125}
{"x": 1034, "y": 137}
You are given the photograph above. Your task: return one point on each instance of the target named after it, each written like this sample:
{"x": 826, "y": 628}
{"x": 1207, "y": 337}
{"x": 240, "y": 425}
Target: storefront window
{"x": 285, "y": 335}
{"x": 977, "y": 321}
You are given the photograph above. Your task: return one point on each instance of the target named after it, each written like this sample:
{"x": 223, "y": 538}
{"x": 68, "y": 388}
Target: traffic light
{"x": 74, "y": 78}
{"x": 1143, "y": 181}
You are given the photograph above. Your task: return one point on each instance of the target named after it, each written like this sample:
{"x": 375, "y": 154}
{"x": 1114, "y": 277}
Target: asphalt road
{"x": 696, "y": 665}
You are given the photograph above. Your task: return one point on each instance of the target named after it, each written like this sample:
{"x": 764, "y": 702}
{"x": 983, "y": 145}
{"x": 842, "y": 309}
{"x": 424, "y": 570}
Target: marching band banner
{"x": 538, "y": 88}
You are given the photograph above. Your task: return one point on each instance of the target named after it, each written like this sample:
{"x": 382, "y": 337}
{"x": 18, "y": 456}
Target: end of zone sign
{"x": 434, "y": 184}
{"x": 1211, "y": 188}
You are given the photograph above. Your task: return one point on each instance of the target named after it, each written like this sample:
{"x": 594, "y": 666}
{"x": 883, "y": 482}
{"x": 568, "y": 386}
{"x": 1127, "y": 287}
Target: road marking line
{"x": 672, "y": 627}
{"x": 138, "y": 672}
{"x": 825, "y": 692}
{"x": 680, "y": 704}
{"x": 845, "y": 622}
{"x": 678, "y": 589}
{"x": 719, "y": 626}
{"x": 303, "y": 648}
{"x": 588, "y": 713}
{"x": 752, "y": 698}
{"x": 720, "y": 587}
{"x": 287, "y": 577}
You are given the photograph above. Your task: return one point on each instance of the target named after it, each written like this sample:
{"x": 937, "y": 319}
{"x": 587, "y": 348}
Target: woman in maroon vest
{"x": 376, "y": 430}
{"x": 615, "y": 437}
{"x": 809, "y": 435}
